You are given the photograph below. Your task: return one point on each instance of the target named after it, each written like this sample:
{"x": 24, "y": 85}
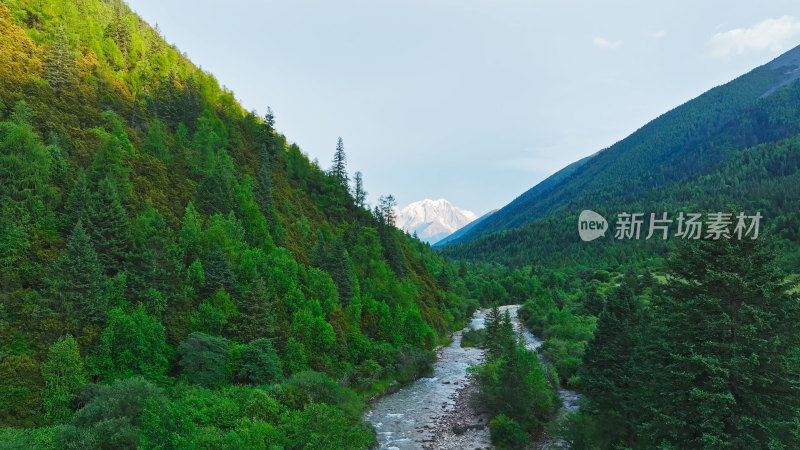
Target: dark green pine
{"x": 109, "y": 227}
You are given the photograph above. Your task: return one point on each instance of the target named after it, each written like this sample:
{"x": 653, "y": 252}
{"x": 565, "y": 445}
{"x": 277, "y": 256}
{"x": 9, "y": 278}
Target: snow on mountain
{"x": 433, "y": 220}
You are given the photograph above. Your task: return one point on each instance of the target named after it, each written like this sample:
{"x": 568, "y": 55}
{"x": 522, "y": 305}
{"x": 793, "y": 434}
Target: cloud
{"x": 769, "y": 34}
{"x": 658, "y": 34}
{"x": 606, "y": 44}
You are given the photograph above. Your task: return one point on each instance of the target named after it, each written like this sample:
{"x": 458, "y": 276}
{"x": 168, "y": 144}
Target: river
{"x": 407, "y": 418}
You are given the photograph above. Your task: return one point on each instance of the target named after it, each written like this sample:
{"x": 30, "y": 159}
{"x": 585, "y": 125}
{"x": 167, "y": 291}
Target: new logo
{"x": 591, "y": 225}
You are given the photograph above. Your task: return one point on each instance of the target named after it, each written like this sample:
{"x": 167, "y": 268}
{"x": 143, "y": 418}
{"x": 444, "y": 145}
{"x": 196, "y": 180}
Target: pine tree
{"x": 256, "y": 317}
{"x": 492, "y": 325}
{"x": 358, "y": 191}
{"x": 612, "y": 376}
{"x": 339, "y": 169}
{"x": 218, "y": 274}
{"x": 729, "y": 334}
{"x": 63, "y": 375}
{"x": 341, "y": 270}
{"x": 109, "y": 227}
{"x": 217, "y": 191}
{"x": 77, "y": 209}
{"x": 60, "y": 60}
{"x": 269, "y": 119}
{"x": 75, "y": 284}
{"x": 387, "y": 207}
{"x": 109, "y": 160}
{"x": 154, "y": 261}
{"x": 594, "y": 300}
{"x": 118, "y": 30}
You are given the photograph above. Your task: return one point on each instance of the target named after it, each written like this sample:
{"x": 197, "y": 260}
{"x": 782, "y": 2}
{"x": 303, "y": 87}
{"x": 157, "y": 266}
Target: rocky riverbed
{"x": 442, "y": 411}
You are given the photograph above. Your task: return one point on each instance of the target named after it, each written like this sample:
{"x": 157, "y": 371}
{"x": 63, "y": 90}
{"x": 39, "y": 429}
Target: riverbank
{"x": 442, "y": 411}
{"x": 408, "y": 418}
{"x": 466, "y": 426}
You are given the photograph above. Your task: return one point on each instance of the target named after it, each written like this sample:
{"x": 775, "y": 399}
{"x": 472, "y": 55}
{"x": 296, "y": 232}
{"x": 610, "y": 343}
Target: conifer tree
{"x": 387, "y": 206}
{"x": 78, "y": 201}
{"x": 20, "y": 391}
{"x": 339, "y": 169}
{"x": 269, "y": 119}
{"x": 218, "y": 274}
{"x": 109, "y": 227}
{"x": 256, "y": 317}
{"x": 729, "y": 334}
{"x": 358, "y": 191}
{"x": 154, "y": 262}
{"x": 118, "y": 30}
{"x": 60, "y": 60}
{"x": 76, "y": 281}
{"x": 613, "y": 374}
{"x": 217, "y": 191}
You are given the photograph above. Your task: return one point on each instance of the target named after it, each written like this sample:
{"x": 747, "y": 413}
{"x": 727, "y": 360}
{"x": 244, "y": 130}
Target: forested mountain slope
{"x": 662, "y": 164}
{"x": 163, "y": 252}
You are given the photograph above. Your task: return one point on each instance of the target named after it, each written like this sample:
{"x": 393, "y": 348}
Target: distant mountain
{"x": 661, "y": 164}
{"x": 433, "y": 220}
{"x": 464, "y": 230}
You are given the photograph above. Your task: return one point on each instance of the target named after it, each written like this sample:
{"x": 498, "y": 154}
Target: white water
{"x": 405, "y": 419}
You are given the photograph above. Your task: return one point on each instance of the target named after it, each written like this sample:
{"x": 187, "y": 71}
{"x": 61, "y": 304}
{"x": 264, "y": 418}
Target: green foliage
{"x": 144, "y": 204}
{"x": 76, "y": 280}
{"x": 513, "y": 384}
{"x": 63, "y": 374}
{"x": 719, "y": 337}
{"x": 730, "y": 349}
{"x": 507, "y": 433}
{"x": 212, "y": 315}
{"x": 260, "y": 363}
{"x": 295, "y": 357}
{"x": 21, "y": 439}
{"x": 109, "y": 227}
{"x": 112, "y": 418}
{"x": 473, "y": 338}
{"x": 133, "y": 343}
{"x": 609, "y": 378}
{"x": 202, "y": 359}
{"x": 20, "y": 391}
{"x": 257, "y": 316}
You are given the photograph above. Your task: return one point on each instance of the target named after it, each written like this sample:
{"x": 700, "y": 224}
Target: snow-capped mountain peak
{"x": 433, "y": 220}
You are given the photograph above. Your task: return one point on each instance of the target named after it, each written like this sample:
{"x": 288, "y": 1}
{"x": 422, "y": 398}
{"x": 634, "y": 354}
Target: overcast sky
{"x": 475, "y": 101}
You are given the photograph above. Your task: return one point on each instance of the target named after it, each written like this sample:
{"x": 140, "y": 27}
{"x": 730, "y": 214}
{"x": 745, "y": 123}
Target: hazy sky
{"x": 471, "y": 100}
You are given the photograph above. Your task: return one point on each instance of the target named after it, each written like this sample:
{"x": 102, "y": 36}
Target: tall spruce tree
{"x": 76, "y": 280}
{"x": 339, "y": 168}
{"x": 269, "y": 119}
{"x": 729, "y": 334}
{"x": 78, "y": 202}
{"x": 109, "y": 227}
{"x": 256, "y": 318}
{"x": 60, "y": 60}
{"x": 612, "y": 377}
{"x": 358, "y": 190}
